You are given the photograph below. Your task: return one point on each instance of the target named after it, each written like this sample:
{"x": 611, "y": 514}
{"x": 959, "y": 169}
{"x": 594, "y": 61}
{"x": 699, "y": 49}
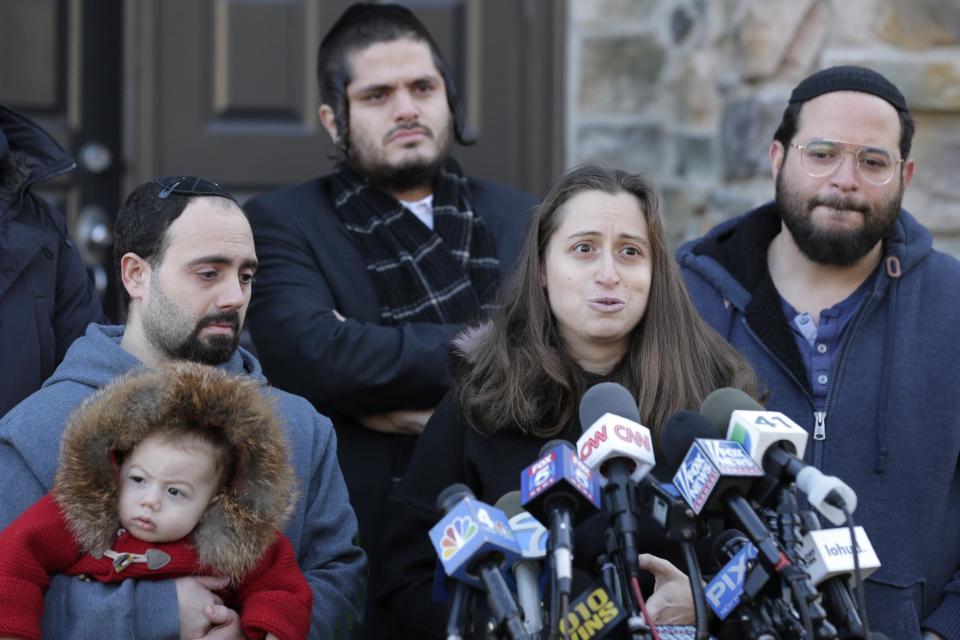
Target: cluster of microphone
{"x": 739, "y": 489}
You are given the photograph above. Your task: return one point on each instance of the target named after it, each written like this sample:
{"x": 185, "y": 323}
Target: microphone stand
{"x": 461, "y": 604}
{"x": 807, "y": 598}
{"x": 696, "y": 586}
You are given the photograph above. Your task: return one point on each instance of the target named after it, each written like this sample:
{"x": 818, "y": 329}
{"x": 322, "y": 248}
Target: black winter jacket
{"x": 309, "y": 267}
{"x": 46, "y": 298}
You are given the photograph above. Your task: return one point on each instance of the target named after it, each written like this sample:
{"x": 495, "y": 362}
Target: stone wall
{"x": 690, "y": 93}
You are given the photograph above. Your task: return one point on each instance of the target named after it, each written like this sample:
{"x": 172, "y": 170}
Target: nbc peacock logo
{"x": 457, "y": 534}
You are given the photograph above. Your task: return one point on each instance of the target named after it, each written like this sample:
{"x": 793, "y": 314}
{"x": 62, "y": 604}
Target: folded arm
{"x": 309, "y": 343}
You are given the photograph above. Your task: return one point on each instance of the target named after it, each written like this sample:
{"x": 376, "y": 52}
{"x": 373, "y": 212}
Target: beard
{"x": 366, "y": 157}
{"x": 173, "y": 333}
{"x": 835, "y": 247}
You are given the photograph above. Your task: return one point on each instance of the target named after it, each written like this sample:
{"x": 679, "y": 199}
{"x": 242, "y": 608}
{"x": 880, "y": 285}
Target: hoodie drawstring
{"x": 893, "y": 272}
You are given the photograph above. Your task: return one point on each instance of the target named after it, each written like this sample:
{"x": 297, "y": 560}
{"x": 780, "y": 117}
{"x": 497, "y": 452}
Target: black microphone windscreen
{"x": 509, "y": 503}
{"x": 553, "y": 443}
{"x": 452, "y": 495}
{"x": 718, "y": 406}
{"x": 607, "y": 397}
{"x": 679, "y": 432}
{"x": 727, "y": 544}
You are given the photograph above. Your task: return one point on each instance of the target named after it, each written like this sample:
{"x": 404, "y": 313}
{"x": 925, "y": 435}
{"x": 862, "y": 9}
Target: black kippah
{"x": 190, "y": 186}
{"x": 849, "y": 78}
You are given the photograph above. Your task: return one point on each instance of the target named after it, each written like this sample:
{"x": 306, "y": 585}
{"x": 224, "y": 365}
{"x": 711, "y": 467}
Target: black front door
{"x": 60, "y": 65}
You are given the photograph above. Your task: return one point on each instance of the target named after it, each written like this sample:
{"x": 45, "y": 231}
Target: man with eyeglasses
{"x": 850, "y": 318}
{"x": 186, "y": 259}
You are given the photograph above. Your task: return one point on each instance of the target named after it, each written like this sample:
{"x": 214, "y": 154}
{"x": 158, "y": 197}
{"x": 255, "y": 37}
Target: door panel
{"x": 227, "y": 89}
{"x": 234, "y": 94}
{"x": 60, "y": 65}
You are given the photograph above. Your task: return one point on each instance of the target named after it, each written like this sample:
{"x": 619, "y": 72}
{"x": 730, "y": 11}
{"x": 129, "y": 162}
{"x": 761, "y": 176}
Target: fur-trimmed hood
{"x": 468, "y": 344}
{"x": 235, "y": 531}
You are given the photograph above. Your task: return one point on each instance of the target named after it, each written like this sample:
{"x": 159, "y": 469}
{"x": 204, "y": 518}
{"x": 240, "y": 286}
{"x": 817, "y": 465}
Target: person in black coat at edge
{"x": 596, "y": 297}
{"x": 368, "y": 272}
{"x": 46, "y": 297}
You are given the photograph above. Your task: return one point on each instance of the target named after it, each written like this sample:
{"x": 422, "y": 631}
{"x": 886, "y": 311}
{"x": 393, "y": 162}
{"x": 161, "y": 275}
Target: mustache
{"x": 839, "y": 202}
{"x": 408, "y": 127}
{"x": 224, "y": 317}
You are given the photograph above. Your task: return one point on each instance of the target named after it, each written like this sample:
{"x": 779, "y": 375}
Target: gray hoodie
{"x": 322, "y": 528}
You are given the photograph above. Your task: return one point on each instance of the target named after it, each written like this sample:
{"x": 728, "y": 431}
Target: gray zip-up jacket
{"x": 322, "y": 527}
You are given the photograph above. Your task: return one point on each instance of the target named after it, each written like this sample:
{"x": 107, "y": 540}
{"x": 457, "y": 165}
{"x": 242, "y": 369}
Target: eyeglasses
{"x": 190, "y": 186}
{"x": 820, "y": 158}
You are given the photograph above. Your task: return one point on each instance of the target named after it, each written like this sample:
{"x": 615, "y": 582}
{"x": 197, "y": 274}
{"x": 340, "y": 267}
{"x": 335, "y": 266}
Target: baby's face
{"x": 164, "y": 489}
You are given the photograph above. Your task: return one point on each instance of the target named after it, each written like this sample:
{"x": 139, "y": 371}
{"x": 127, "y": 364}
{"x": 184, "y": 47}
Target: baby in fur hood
{"x": 165, "y": 473}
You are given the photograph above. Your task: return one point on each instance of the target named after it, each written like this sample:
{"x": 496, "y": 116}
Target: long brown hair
{"x": 516, "y": 373}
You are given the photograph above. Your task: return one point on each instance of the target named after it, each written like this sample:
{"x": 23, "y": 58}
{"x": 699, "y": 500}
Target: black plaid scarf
{"x": 442, "y": 276}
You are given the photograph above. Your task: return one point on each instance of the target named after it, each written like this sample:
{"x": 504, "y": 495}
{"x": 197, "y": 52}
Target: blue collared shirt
{"x": 820, "y": 345}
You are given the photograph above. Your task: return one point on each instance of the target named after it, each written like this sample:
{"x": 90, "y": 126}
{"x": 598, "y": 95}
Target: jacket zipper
{"x": 820, "y": 427}
{"x": 819, "y": 417}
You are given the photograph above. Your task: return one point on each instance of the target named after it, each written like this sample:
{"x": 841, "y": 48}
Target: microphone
{"x": 615, "y": 435}
{"x": 560, "y": 492}
{"x": 531, "y": 536}
{"x": 778, "y": 443}
{"x": 712, "y": 478}
{"x": 617, "y": 446}
{"x": 474, "y": 542}
{"x": 678, "y": 432}
{"x": 828, "y": 556}
{"x": 595, "y": 614}
{"x": 723, "y": 592}
{"x": 718, "y": 406}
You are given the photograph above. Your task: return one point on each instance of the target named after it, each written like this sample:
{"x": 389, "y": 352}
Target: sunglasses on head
{"x": 190, "y": 186}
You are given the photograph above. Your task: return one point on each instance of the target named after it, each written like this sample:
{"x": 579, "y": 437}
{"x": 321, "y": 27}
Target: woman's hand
{"x": 672, "y": 599}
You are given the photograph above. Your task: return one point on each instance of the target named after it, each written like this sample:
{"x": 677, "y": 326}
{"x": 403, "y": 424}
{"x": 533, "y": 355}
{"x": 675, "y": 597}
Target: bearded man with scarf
{"x": 367, "y": 273}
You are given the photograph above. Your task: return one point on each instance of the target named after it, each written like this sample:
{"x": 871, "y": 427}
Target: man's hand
{"x": 194, "y": 593}
{"x": 225, "y": 623}
{"x": 672, "y": 599}
{"x": 404, "y": 421}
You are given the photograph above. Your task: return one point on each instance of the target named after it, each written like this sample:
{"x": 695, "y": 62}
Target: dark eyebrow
{"x": 374, "y": 88}
{"x": 246, "y": 264}
{"x": 629, "y": 236}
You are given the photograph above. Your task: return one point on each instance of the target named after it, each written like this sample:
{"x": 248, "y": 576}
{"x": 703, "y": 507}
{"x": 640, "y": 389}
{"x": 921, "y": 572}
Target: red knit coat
{"x": 274, "y": 597}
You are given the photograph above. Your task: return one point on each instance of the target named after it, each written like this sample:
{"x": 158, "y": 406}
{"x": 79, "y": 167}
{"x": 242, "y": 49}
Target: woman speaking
{"x": 596, "y": 297}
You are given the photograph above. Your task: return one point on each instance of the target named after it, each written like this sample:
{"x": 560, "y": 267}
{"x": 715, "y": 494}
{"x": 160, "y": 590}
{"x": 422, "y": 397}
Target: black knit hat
{"x": 849, "y": 78}
{"x": 363, "y": 11}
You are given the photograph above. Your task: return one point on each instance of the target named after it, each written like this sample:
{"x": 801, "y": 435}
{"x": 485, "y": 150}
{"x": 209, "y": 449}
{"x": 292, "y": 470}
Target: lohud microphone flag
{"x": 827, "y": 553}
